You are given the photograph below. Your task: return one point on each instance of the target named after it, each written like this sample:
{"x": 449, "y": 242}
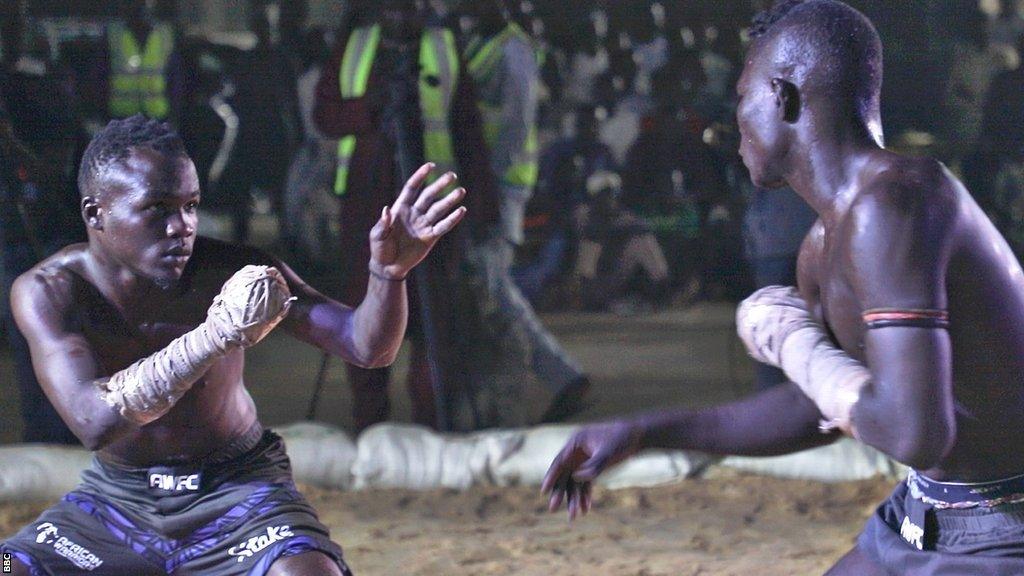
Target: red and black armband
{"x": 912, "y": 318}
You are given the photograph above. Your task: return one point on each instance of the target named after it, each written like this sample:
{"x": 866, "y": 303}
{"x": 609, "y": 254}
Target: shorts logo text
{"x": 912, "y": 533}
{"x": 253, "y": 545}
{"x": 77, "y": 554}
{"x": 174, "y": 483}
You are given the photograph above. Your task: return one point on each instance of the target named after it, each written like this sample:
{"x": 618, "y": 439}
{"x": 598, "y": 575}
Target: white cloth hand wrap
{"x": 777, "y": 329}
{"x": 248, "y": 307}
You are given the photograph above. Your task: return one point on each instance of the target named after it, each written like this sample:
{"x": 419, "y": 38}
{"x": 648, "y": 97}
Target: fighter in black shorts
{"x": 907, "y": 330}
{"x": 138, "y": 339}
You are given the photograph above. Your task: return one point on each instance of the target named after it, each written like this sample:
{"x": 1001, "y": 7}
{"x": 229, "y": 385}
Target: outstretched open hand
{"x": 409, "y": 228}
{"x": 589, "y": 452}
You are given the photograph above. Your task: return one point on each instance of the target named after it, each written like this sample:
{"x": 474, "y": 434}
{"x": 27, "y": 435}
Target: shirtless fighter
{"x": 138, "y": 338}
{"x": 907, "y": 330}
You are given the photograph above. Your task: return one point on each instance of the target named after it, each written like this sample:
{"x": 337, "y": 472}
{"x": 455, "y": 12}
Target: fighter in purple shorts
{"x": 906, "y": 330}
{"x": 138, "y": 338}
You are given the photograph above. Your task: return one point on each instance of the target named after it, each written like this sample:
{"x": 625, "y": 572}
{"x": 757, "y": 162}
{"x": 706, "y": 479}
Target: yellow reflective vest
{"x": 439, "y": 75}
{"x": 137, "y": 81}
{"x": 484, "y": 60}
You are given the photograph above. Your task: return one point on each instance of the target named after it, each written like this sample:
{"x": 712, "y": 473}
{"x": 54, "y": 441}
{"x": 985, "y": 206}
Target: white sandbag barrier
{"x": 416, "y": 458}
{"x": 398, "y": 456}
{"x": 321, "y": 455}
{"x": 842, "y": 461}
{"x": 38, "y": 471}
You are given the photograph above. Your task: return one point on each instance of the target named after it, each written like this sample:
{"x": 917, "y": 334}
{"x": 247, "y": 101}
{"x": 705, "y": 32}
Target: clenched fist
{"x": 767, "y": 317}
{"x": 250, "y": 304}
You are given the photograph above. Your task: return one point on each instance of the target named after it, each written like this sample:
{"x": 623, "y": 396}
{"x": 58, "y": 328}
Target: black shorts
{"x": 908, "y": 537}
{"x": 233, "y": 518}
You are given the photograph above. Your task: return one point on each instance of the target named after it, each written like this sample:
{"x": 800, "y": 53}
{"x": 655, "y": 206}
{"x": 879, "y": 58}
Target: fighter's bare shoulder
{"x": 907, "y": 189}
{"x": 48, "y": 291}
{"x": 900, "y": 231}
{"x": 906, "y": 202}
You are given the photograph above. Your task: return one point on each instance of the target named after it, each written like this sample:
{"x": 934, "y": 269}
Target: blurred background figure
{"x": 564, "y": 169}
{"x": 975, "y": 63}
{"x": 394, "y": 74}
{"x": 144, "y": 73}
{"x": 997, "y": 175}
{"x": 270, "y": 126}
{"x": 1007, "y": 28}
{"x": 40, "y": 142}
{"x": 620, "y": 264}
{"x": 503, "y": 62}
{"x": 774, "y": 227}
{"x": 310, "y": 213}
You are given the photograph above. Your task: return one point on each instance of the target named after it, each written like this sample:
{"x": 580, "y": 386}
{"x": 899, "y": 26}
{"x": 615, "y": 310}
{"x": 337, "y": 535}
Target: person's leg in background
{"x": 419, "y": 381}
{"x": 553, "y": 366}
{"x": 370, "y": 401}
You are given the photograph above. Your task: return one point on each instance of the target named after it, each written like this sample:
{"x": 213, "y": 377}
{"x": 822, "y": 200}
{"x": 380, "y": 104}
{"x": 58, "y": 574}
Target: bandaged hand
{"x": 768, "y": 317}
{"x": 250, "y": 304}
{"x": 777, "y": 329}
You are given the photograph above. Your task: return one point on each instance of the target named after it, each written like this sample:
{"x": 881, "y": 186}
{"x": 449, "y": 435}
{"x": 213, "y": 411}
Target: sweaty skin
{"x": 893, "y": 232}
{"x": 145, "y": 279}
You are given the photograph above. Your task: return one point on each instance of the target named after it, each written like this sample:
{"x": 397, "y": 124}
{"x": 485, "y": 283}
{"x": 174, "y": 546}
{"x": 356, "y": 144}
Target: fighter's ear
{"x": 787, "y": 99}
{"x": 92, "y": 212}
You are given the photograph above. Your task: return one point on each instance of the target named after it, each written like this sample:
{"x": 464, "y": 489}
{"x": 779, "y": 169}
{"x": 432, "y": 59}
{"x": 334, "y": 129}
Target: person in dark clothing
{"x": 370, "y": 62}
{"x": 565, "y": 166}
{"x": 40, "y": 138}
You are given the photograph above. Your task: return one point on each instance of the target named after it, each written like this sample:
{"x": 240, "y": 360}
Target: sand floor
{"x": 727, "y": 524}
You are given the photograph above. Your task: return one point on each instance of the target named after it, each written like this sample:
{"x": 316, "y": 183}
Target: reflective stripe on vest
{"x": 485, "y": 59}
{"x": 439, "y": 70}
{"x": 137, "y": 82}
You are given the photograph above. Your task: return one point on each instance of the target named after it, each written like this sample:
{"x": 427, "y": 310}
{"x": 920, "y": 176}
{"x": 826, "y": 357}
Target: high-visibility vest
{"x": 439, "y": 74}
{"x": 137, "y": 83}
{"x": 484, "y": 61}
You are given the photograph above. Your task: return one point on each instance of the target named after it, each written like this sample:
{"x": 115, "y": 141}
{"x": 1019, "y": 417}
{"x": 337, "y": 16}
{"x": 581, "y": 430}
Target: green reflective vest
{"x": 137, "y": 83}
{"x": 439, "y": 73}
{"x": 484, "y": 61}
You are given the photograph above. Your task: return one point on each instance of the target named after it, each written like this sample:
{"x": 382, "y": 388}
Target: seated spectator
{"x": 1008, "y": 27}
{"x": 565, "y": 167}
{"x": 619, "y": 263}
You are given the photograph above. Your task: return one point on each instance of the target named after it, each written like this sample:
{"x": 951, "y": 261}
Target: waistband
{"x": 958, "y": 495}
{"x": 980, "y": 519}
{"x": 211, "y": 464}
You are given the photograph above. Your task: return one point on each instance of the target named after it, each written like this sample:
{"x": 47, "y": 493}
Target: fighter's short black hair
{"x": 829, "y": 48}
{"x": 764, "y": 20}
{"x": 116, "y": 142}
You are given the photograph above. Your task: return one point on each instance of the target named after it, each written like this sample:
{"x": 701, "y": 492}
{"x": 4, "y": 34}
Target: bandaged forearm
{"x": 147, "y": 389}
{"x": 248, "y": 307}
{"x": 777, "y": 329}
{"x": 829, "y": 376}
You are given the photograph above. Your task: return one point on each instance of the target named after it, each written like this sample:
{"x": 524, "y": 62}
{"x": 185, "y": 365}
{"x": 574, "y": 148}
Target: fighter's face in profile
{"x": 148, "y": 214}
{"x": 761, "y": 117}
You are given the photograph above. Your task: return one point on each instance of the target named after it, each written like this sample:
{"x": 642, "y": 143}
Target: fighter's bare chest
{"x": 832, "y": 298}
{"x": 121, "y": 337}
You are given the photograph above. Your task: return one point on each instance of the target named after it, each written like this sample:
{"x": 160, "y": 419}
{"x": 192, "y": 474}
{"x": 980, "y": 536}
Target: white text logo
{"x": 912, "y": 533}
{"x": 257, "y": 543}
{"x": 77, "y": 554}
{"x": 174, "y": 483}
